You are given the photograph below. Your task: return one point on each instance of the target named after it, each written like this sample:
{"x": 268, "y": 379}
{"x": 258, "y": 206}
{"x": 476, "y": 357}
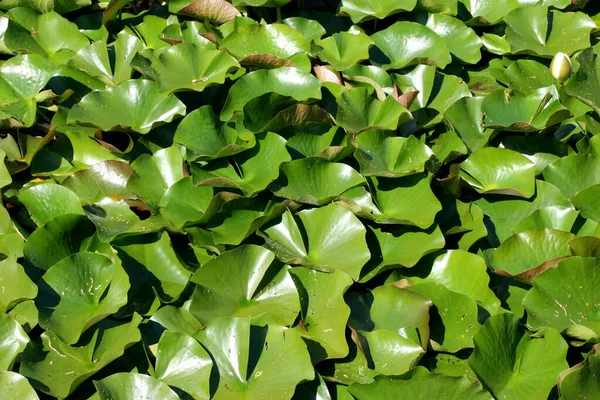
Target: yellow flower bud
{"x": 560, "y": 68}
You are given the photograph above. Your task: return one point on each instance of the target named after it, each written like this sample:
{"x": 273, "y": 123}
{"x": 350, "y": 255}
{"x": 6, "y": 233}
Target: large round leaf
{"x": 499, "y": 171}
{"x": 530, "y": 249}
{"x": 419, "y": 383}
{"x": 15, "y": 285}
{"x": 48, "y": 201}
{"x": 514, "y": 364}
{"x": 12, "y": 341}
{"x": 183, "y": 363}
{"x": 79, "y": 291}
{"x": 285, "y": 81}
{"x": 324, "y": 312}
{"x": 257, "y": 361}
{"x": 217, "y": 11}
{"x": 461, "y": 40}
{"x": 58, "y": 369}
{"x": 360, "y": 10}
{"x": 579, "y": 381}
{"x": 134, "y": 105}
{"x": 316, "y": 180}
{"x": 245, "y": 281}
{"x": 15, "y": 386}
{"x": 327, "y": 238}
{"x": 132, "y": 386}
{"x": 345, "y": 49}
{"x": 574, "y": 173}
{"x": 566, "y": 296}
{"x": 585, "y": 83}
{"x": 405, "y": 43}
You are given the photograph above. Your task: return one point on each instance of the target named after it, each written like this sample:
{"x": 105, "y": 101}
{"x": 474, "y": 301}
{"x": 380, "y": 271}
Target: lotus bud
{"x": 560, "y": 68}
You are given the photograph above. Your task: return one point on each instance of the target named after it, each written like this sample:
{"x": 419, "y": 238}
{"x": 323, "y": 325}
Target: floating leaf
{"x": 133, "y": 105}
{"x": 133, "y": 386}
{"x": 12, "y": 341}
{"x": 507, "y": 360}
{"x": 360, "y": 10}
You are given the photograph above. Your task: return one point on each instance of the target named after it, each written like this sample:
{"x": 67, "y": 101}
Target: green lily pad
{"x": 205, "y": 137}
{"x": 332, "y": 239}
{"x": 12, "y": 341}
{"x": 324, "y": 313}
{"x": 490, "y": 11}
{"x": 586, "y": 79}
{"x": 316, "y": 180}
{"x": 345, "y": 49}
{"x": 15, "y": 386}
{"x": 507, "y": 360}
{"x": 245, "y": 291}
{"x": 359, "y": 111}
{"x": 47, "y": 201}
{"x": 419, "y": 383}
{"x": 79, "y": 291}
{"x": 535, "y": 30}
{"x": 58, "y": 369}
{"x": 270, "y": 359}
{"x": 360, "y": 10}
{"x": 579, "y": 381}
{"x": 15, "y": 285}
{"x": 284, "y": 81}
{"x": 217, "y": 11}
{"x": 21, "y": 79}
{"x": 573, "y": 174}
{"x": 120, "y": 108}
{"x": 561, "y": 299}
{"x": 406, "y": 43}
{"x": 587, "y": 202}
{"x": 133, "y": 386}
{"x": 183, "y": 363}
{"x": 461, "y": 40}
{"x": 466, "y": 116}
{"x": 499, "y": 171}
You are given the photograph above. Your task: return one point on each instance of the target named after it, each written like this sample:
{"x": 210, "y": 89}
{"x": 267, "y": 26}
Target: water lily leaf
{"x": 345, "y": 49}
{"x": 466, "y": 116}
{"x": 21, "y": 79}
{"x": 529, "y": 30}
{"x": 15, "y": 386}
{"x": 12, "y": 341}
{"x": 490, "y": 11}
{"x": 60, "y": 6}
{"x": 457, "y": 312}
{"x": 390, "y": 353}
{"x": 104, "y": 179}
{"x": 26, "y": 314}
{"x": 461, "y": 40}
{"x": 153, "y": 269}
{"x": 245, "y": 291}
{"x": 133, "y": 386}
{"x": 48, "y": 201}
{"x": 185, "y": 202}
{"x": 205, "y": 137}
{"x": 271, "y": 360}
{"x": 579, "y": 380}
{"x": 267, "y": 45}
{"x": 499, "y": 171}
{"x": 528, "y": 75}
{"x": 163, "y": 169}
{"x": 58, "y": 239}
{"x": 121, "y": 108}
{"x": 58, "y": 369}
{"x": 79, "y": 291}
{"x": 400, "y": 247}
{"x": 507, "y": 360}
{"x": 359, "y": 111}
{"x": 197, "y": 67}
{"x": 183, "y": 363}
{"x": 324, "y": 312}
{"x": 309, "y": 28}
{"x": 530, "y": 249}
{"x": 60, "y": 38}
{"x": 217, "y": 11}
{"x": 327, "y": 239}
{"x": 515, "y": 111}
{"x": 573, "y": 174}
{"x": 251, "y": 171}
{"x": 316, "y": 180}
{"x": 95, "y": 59}
{"x": 15, "y": 285}
{"x": 419, "y": 383}
{"x": 561, "y": 299}
{"x": 285, "y": 81}
{"x": 587, "y": 202}
{"x": 260, "y": 3}
{"x": 360, "y": 10}
{"x": 586, "y": 80}
{"x": 399, "y": 44}
{"x": 178, "y": 320}
{"x": 447, "y": 270}
{"x": 407, "y": 200}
